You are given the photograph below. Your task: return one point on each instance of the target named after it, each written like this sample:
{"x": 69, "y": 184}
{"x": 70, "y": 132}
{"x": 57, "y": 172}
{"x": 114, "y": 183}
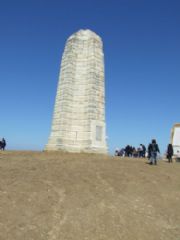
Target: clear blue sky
{"x": 142, "y": 62}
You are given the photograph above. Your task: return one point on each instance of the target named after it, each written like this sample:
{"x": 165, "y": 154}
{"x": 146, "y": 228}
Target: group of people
{"x": 130, "y": 151}
{"x": 151, "y": 152}
{"x": 2, "y": 144}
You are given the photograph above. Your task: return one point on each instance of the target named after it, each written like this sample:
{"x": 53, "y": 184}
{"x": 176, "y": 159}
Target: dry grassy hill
{"x": 59, "y": 196}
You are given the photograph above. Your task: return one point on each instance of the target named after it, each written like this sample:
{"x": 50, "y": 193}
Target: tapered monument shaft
{"x": 79, "y": 116}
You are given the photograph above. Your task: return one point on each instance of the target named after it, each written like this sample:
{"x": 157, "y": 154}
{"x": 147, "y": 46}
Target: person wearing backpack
{"x": 153, "y": 152}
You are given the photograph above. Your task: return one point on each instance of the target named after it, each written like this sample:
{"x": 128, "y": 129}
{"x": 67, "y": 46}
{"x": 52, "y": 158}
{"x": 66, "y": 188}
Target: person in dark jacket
{"x": 149, "y": 152}
{"x": 127, "y": 151}
{"x": 3, "y": 144}
{"x": 170, "y": 152}
{"x": 154, "y": 149}
{"x": 144, "y": 151}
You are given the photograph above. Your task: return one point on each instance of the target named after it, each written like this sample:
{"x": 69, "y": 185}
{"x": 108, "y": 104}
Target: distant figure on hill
{"x": 135, "y": 152}
{"x": 121, "y": 152}
{"x": 116, "y": 152}
{"x": 170, "y": 152}
{"x": 144, "y": 151}
{"x": 149, "y": 151}
{"x": 128, "y": 151}
{"x": 3, "y": 144}
{"x": 153, "y": 149}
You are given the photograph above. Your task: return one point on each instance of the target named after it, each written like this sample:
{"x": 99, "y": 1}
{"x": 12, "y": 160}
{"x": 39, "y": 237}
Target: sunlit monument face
{"x": 79, "y": 114}
{"x": 175, "y": 138}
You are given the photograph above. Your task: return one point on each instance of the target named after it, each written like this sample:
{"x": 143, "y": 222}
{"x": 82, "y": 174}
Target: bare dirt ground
{"x": 60, "y": 196}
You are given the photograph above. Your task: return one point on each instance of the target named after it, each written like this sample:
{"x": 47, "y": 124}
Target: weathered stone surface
{"x": 79, "y": 115}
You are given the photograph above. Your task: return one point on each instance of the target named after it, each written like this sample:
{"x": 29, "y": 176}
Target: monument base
{"x": 73, "y": 149}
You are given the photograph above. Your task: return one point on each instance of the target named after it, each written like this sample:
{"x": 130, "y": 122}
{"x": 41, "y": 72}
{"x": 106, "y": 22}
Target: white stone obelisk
{"x": 79, "y": 116}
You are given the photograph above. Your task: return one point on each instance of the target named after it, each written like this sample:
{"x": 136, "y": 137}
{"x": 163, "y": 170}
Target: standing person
{"x": 117, "y": 152}
{"x": 121, "y": 152}
{"x": 3, "y": 144}
{"x": 149, "y": 153}
{"x": 144, "y": 151}
{"x": 170, "y": 152}
{"x": 127, "y": 151}
{"x": 153, "y": 152}
{"x": 140, "y": 150}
